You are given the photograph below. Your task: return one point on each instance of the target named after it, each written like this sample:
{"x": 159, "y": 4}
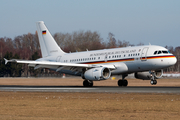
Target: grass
{"x": 30, "y": 105}
{"x": 55, "y": 106}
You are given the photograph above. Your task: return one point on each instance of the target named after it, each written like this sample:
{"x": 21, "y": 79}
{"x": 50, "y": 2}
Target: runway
{"x": 96, "y": 89}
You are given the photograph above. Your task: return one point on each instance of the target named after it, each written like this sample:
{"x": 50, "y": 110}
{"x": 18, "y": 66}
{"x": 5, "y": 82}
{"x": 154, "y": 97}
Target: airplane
{"x": 146, "y": 62}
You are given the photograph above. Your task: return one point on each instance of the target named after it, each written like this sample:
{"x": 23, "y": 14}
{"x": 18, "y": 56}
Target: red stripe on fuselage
{"x": 157, "y": 57}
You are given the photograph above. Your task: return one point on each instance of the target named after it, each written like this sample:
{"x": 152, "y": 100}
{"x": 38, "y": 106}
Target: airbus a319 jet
{"x": 146, "y": 62}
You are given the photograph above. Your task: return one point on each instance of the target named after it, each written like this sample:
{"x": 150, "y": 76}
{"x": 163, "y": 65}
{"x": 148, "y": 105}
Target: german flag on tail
{"x": 44, "y": 32}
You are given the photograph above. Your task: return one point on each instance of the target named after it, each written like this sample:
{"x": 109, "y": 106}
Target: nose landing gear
{"x": 153, "y": 80}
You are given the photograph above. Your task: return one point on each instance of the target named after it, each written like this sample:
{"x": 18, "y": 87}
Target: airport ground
{"x": 57, "y": 105}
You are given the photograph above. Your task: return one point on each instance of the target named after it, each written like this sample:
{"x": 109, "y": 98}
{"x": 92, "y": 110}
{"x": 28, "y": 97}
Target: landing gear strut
{"x": 153, "y": 80}
{"x": 123, "y": 82}
{"x": 88, "y": 83}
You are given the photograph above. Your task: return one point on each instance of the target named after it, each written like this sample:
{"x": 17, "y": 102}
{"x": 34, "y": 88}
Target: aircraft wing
{"x": 39, "y": 64}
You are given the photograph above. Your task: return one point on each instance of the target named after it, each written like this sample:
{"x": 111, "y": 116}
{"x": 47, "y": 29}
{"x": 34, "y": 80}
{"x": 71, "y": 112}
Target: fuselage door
{"x": 58, "y": 59}
{"x": 144, "y": 54}
{"x": 106, "y": 57}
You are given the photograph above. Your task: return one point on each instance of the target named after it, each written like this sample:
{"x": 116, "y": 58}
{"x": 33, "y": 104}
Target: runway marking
{"x": 52, "y": 88}
{"x": 100, "y": 89}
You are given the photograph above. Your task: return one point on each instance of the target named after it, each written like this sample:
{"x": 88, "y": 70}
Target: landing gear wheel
{"x": 87, "y": 83}
{"x": 153, "y": 82}
{"x": 122, "y": 83}
{"x": 125, "y": 83}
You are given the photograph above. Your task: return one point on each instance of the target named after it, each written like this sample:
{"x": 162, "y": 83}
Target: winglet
{"x": 6, "y": 61}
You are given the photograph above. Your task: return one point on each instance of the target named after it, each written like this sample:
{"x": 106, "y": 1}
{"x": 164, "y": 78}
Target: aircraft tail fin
{"x": 48, "y": 45}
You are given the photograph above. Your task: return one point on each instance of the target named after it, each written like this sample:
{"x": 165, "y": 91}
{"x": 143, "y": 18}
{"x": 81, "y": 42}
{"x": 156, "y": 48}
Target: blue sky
{"x": 154, "y": 21}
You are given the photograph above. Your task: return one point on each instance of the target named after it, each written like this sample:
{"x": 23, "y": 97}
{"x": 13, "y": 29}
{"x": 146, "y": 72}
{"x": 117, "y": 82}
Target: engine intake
{"x": 147, "y": 75}
{"x": 101, "y": 73}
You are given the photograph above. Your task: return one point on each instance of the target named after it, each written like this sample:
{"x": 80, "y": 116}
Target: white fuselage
{"x": 126, "y": 60}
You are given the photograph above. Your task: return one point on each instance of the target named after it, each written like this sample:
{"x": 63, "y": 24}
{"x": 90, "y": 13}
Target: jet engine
{"x": 147, "y": 75}
{"x": 100, "y": 73}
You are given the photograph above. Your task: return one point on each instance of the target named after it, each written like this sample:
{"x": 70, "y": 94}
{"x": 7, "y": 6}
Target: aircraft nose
{"x": 173, "y": 60}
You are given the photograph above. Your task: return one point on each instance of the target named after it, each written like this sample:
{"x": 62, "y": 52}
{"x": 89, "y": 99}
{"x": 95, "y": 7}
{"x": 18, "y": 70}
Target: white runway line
{"x": 49, "y": 88}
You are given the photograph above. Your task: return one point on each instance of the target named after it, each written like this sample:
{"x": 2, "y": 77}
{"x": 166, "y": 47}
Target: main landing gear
{"x": 87, "y": 83}
{"x": 123, "y": 82}
{"x": 153, "y": 80}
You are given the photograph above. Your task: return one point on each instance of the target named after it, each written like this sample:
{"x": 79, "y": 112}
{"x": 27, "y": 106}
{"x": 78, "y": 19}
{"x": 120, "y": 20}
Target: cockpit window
{"x": 155, "y": 52}
{"x": 159, "y": 52}
{"x": 165, "y": 52}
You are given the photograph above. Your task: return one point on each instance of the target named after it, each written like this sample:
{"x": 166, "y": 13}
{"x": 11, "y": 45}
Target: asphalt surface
{"x": 100, "y": 89}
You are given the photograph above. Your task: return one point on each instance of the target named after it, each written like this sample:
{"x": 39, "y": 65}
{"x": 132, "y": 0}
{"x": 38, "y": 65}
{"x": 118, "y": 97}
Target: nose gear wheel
{"x": 153, "y": 80}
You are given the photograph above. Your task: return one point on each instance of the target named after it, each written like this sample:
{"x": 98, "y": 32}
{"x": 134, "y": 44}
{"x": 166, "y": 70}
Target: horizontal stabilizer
{"x": 6, "y": 61}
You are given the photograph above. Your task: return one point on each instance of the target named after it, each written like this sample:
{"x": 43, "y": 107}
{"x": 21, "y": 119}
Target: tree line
{"x": 27, "y": 47}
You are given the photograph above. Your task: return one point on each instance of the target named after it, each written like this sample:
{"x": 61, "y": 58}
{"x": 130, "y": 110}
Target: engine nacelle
{"x": 101, "y": 73}
{"x": 147, "y": 75}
